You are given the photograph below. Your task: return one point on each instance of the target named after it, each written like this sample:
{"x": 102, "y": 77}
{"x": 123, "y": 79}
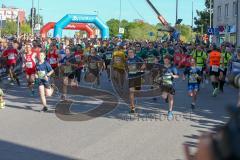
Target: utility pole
{"x": 18, "y": 26}
{"x": 32, "y": 16}
{"x": 120, "y": 16}
{"x": 192, "y": 23}
{"x": 210, "y": 37}
{"x": 38, "y": 13}
{"x": 237, "y": 25}
{"x": 176, "y": 11}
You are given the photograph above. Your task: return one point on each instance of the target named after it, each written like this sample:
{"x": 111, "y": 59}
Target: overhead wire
{"x": 138, "y": 13}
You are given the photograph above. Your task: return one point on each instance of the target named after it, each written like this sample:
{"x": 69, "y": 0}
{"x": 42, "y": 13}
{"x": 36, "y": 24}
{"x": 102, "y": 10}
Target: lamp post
{"x": 32, "y": 16}
{"x": 176, "y": 11}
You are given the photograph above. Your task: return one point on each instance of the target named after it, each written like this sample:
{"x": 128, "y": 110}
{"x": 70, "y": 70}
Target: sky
{"x": 54, "y": 10}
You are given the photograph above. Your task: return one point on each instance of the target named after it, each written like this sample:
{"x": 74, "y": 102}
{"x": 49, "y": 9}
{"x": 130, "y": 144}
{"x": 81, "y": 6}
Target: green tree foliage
{"x": 203, "y": 18}
{"x": 25, "y": 28}
{"x": 10, "y": 28}
{"x": 186, "y": 33}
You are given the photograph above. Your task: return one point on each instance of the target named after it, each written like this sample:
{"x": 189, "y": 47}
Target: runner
{"x": 94, "y": 65}
{"x": 193, "y": 74}
{"x": 134, "y": 64}
{"x": 29, "y": 66}
{"x": 52, "y": 56}
{"x": 44, "y": 71}
{"x": 214, "y": 63}
{"x": 79, "y": 60}
{"x": 200, "y": 57}
{"x": 169, "y": 74}
{"x": 226, "y": 57}
{"x": 107, "y": 58}
{"x": 11, "y": 54}
{"x": 119, "y": 61}
{"x": 68, "y": 73}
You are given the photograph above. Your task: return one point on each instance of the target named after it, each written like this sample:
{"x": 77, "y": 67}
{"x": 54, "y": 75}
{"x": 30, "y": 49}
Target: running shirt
{"x": 93, "y": 62}
{"x": 200, "y": 58}
{"x": 43, "y": 69}
{"x": 107, "y": 57}
{"x": 133, "y": 65}
{"x": 67, "y": 68}
{"x": 11, "y": 55}
{"x": 52, "y": 58}
{"x": 119, "y": 60}
{"x": 61, "y": 55}
{"x": 79, "y": 56}
{"x": 193, "y": 73}
{"x": 30, "y": 64}
{"x": 214, "y": 61}
{"x": 167, "y": 78}
{"x": 36, "y": 51}
{"x": 225, "y": 59}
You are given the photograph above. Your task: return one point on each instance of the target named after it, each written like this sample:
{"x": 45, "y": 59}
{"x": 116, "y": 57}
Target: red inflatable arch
{"x": 73, "y": 26}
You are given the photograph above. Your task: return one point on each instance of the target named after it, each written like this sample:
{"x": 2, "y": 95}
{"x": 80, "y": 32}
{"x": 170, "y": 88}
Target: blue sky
{"x": 54, "y": 10}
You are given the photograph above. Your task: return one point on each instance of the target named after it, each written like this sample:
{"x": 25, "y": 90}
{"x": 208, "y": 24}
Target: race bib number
{"x": 132, "y": 69}
{"x": 150, "y": 59}
{"x": 53, "y": 61}
{"x": 41, "y": 74}
{"x": 67, "y": 69}
{"x": 29, "y": 65}
{"x": 93, "y": 66}
{"x": 78, "y": 58}
{"x": 193, "y": 78}
{"x": 200, "y": 68}
{"x": 11, "y": 56}
{"x": 118, "y": 60}
{"x": 215, "y": 68}
{"x": 108, "y": 56}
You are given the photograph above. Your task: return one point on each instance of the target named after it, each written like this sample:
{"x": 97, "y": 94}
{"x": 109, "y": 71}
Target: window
{"x": 219, "y": 12}
{"x": 226, "y": 10}
{"x": 235, "y": 8}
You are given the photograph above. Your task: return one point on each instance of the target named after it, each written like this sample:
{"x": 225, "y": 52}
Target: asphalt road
{"x": 27, "y": 134}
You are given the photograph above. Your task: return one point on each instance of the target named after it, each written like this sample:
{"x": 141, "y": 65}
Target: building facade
{"x": 225, "y": 19}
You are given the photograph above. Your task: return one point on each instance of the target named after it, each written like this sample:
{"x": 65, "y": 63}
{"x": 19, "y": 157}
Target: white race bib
{"x": 11, "y": 56}
{"x": 53, "y": 61}
{"x": 200, "y": 68}
{"x": 29, "y": 65}
{"x": 118, "y": 60}
{"x": 215, "y": 68}
{"x": 78, "y": 58}
{"x": 41, "y": 74}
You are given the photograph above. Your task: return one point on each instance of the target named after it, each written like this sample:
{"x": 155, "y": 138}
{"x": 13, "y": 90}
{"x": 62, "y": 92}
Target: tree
{"x": 10, "y": 28}
{"x": 113, "y": 25}
{"x": 186, "y": 33}
{"x": 25, "y": 28}
{"x": 203, "y": 18}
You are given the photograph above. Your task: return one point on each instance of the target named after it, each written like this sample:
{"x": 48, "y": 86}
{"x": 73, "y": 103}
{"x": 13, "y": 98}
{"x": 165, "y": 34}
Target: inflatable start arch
{"x": 78, "y": 18}
{"x": 73, "y": 26}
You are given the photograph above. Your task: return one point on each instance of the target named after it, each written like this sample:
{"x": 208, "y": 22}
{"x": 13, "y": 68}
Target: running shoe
{"x": 132, "y": 110}
{"x": 215, "y": 92}
{"x": 44, "y": 109}
{"x": 2, "y": 104}
{"x": 170, "y": 116}
{"x": 193, "y": 106}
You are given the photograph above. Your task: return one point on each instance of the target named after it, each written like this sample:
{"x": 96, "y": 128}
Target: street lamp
{"x": 176, "y": 11}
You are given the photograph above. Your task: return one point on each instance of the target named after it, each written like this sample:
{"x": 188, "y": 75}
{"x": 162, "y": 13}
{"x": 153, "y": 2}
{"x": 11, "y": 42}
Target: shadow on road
{"x": 12, "y": 151}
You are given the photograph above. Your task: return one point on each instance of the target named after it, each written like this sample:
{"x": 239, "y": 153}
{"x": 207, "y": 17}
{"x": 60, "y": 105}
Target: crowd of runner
{"x": 142, "y": 62}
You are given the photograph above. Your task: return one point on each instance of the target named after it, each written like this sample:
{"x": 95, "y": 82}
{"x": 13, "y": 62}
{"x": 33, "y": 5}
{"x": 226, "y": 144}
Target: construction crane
{"x": 174, "y": 33}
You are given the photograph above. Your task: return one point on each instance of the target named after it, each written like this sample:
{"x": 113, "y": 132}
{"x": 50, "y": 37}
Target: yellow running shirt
{"x": 119, "y": 60}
